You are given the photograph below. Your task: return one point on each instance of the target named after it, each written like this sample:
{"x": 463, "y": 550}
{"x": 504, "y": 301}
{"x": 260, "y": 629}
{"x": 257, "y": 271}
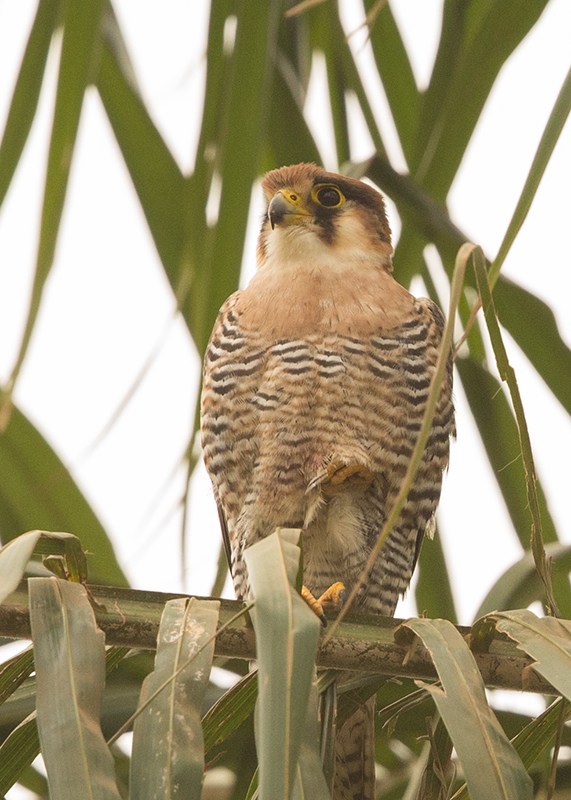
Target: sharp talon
{"x": 323, "y": 619}
{"x": 334, "y": 596}
{"x": 315, "y": 482}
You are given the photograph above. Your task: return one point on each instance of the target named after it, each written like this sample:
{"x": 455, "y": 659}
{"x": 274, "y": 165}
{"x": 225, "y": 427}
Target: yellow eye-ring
{"x": 328, "y": 195}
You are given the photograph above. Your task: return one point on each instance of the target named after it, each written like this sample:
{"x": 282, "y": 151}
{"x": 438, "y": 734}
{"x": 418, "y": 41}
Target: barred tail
{"x": 355, "y": 756}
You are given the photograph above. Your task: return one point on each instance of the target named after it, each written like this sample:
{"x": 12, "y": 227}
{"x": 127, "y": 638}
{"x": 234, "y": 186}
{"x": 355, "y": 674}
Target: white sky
{"x": 107, "y": 303}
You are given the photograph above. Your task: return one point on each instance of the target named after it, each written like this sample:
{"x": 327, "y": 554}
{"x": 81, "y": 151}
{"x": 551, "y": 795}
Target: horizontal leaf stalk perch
{"x": 366, "y": 643}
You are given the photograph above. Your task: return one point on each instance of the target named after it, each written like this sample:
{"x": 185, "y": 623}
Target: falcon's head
{"x": 320, "y": 217}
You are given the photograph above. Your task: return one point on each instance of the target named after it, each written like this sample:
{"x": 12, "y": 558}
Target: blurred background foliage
{"x": 258, "y": 64}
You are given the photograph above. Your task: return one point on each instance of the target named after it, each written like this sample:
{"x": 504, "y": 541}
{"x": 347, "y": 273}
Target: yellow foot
{"x": 334, "y": 596}
{"x": 339, "y": 477}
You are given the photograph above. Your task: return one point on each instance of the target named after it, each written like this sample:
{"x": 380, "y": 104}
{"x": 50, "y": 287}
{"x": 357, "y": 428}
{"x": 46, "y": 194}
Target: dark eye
{"x": 329, "y": 197}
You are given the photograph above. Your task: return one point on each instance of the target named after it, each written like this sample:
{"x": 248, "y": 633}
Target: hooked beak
{"x": 284, "y": 211}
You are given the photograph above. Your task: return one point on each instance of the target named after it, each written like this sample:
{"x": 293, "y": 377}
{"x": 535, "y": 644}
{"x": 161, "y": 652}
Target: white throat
{"x": 295, "y": 249}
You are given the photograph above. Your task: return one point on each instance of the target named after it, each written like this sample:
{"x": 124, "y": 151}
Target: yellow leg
{"x": 334, "y": 596}
{"x": 314, "y": 605}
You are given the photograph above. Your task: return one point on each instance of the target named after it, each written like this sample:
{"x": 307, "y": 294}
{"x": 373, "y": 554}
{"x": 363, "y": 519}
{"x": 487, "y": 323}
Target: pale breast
{"x": 354, "y": 299}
